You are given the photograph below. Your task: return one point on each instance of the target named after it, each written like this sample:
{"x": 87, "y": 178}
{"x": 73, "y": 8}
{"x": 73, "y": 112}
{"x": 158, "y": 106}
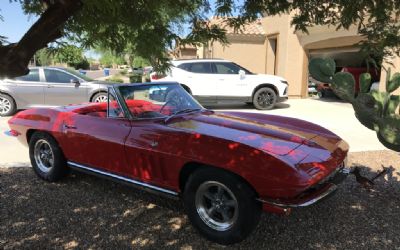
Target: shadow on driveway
{"x": 87, "y": 212}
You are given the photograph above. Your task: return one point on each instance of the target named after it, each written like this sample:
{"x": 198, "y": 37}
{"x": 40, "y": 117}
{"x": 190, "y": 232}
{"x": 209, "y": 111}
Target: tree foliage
{"x": 151, "y": 26}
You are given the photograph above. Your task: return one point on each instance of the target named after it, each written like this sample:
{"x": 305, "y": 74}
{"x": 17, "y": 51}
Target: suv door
{"x": 229, "y": 83}
{"x": 200, "y": 80}
{"x": 27, "y": 90}
{"x": 62, "y": 88}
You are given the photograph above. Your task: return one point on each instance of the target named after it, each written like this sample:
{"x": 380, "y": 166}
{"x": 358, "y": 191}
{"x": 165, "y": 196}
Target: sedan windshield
{"x": 157, "y": 100}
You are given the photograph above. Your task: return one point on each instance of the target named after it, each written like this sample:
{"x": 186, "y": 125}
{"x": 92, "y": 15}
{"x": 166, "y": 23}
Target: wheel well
{"x": 30, "y": 132}
{"x": 4, "y": 93}
{"x": 95, "y": 93}
{"x": 191, "y": 167}
{"x": 267, "y": 85}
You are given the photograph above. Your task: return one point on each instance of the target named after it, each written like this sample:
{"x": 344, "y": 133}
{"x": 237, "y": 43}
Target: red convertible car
{"x": 226, "y": 166}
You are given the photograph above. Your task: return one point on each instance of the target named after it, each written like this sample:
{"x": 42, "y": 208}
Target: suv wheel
{"x": 264, "y": 98}
{"x": 7, "y": 105}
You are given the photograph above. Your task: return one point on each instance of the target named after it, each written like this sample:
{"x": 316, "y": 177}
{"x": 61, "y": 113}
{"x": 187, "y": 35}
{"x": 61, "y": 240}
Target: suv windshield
{"x": 157, "y": 100}
{"x": 77, "y": 74}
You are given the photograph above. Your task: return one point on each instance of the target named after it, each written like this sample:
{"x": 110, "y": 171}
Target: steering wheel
{"x": 170, "y": 101}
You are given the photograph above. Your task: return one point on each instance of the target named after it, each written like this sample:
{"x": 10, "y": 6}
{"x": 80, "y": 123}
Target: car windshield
{"x": 77, "y": 74}
{"x": 157, "y": 100}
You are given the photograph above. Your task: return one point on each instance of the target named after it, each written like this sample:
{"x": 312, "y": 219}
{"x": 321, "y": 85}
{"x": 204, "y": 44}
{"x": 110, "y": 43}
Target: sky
{"x": 15, "y": 22}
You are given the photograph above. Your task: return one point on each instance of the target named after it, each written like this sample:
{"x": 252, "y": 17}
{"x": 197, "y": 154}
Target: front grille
{"x": 285, "y": 91}
{"x": 328, "y": 179}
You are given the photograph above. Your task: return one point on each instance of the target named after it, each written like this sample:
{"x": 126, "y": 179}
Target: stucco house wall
{"x": 247, "y": 51}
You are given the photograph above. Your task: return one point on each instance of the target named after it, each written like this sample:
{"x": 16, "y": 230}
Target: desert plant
{"x": 374, "y": 109}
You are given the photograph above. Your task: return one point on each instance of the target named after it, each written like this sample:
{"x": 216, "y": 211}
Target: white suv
{"x": 215, "y": 80}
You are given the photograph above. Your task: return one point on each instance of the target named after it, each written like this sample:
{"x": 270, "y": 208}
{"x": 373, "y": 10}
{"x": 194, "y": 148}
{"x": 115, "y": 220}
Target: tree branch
{"x": 14, "y": 58}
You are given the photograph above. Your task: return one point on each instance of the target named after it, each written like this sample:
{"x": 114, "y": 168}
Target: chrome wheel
{"x": 101, "y": 98}
{"x": 5, "y": 105}
{"x": 44, "y": 156}
{"x": 216, "y": 205}
{"x": 266, "y": 98}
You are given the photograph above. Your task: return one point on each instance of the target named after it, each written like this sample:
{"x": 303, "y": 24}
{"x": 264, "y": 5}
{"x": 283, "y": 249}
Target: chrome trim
{"x": 8, "y": 133}
{"x": 305, "y": 204}
{"x": 142, "y": 184}
{"x": 342, "y": 171}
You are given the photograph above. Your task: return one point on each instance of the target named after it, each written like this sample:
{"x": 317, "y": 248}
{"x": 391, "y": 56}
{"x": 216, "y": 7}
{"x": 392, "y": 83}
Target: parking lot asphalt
{"x": 333, "y": 114}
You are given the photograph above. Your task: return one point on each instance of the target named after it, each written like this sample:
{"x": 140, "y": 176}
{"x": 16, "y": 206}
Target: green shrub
{"x": 115, "y": 79}
{"x": 135, "y": 78}
{"x": 123, "y": 72}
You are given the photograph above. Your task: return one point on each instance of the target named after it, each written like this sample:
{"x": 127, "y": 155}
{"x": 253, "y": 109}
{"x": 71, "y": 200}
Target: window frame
{"x": 25, "y": 81}
{"x": 62, "y": 71}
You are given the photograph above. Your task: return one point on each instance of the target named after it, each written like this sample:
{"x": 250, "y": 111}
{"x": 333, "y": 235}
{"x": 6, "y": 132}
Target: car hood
{"x": 281, "y": 136}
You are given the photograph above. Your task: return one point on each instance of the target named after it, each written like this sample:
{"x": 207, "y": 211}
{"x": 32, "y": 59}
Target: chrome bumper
{"x": 328, "y": 188}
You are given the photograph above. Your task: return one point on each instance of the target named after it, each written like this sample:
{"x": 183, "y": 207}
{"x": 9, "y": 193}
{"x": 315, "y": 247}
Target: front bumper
{"x": 314, "y": 194}
{"x": 282, "y": 99}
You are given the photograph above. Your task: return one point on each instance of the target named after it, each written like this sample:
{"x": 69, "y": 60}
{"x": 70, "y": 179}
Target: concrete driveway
{"x": 336, "y": 116}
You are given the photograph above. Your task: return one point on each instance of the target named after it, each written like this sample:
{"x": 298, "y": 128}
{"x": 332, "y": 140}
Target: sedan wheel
{"x": 220, "y": 205}
{"x": 101, "y": 97}
{"x": 7, "y": 105}
{"x": 264, "y": 98}
{"x": 47, "y": 159}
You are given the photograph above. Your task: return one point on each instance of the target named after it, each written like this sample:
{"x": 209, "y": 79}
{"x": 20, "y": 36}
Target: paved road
{"x": 99, "y": 73}
{"x": 336, "y": 116}
{"x": 11, "y": 151}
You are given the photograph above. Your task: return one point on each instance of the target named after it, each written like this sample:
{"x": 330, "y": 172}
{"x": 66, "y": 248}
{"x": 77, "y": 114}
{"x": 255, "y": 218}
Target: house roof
{"x": 253, "y": 28}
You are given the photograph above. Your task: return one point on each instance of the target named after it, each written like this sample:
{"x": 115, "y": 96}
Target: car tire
{"x": 100, "y": 97}
{"x": 321, "y": 94}
{"x": 7, "y": 105}
{"x": 225, "y": 217}
{"x": 46, "y": 157}
{"x": 264, "y": 98}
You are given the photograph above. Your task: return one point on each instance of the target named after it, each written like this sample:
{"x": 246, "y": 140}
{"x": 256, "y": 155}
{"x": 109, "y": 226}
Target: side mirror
{"x": 242, "y": 74}
{"x": 76, "y": 82}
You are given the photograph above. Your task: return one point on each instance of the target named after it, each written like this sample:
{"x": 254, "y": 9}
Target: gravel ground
{"x": 86, "y": 212}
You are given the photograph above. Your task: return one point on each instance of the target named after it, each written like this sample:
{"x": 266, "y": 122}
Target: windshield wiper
{"x": 183, "y": 111}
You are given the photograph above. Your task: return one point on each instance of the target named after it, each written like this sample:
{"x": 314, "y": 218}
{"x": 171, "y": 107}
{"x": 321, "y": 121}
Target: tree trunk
{"x": 15, "y": 57}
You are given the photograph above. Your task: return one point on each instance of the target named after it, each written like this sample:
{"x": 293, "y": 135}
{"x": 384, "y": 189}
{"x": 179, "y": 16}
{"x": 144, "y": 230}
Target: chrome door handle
{"x": 66, "y": 126}
{"x": 154, "y": 144}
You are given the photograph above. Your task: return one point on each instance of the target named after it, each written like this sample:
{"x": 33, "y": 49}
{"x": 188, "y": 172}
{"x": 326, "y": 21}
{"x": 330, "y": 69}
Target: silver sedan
{"x": 49, "y": 86}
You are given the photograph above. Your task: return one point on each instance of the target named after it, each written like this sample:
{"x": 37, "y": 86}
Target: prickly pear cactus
{"x": 376, "y": 110}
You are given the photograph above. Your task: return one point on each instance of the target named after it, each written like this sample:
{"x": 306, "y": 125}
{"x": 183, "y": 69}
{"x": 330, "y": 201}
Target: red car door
{"x": 154, "y": 152}
{"x": 96, "y": 142}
